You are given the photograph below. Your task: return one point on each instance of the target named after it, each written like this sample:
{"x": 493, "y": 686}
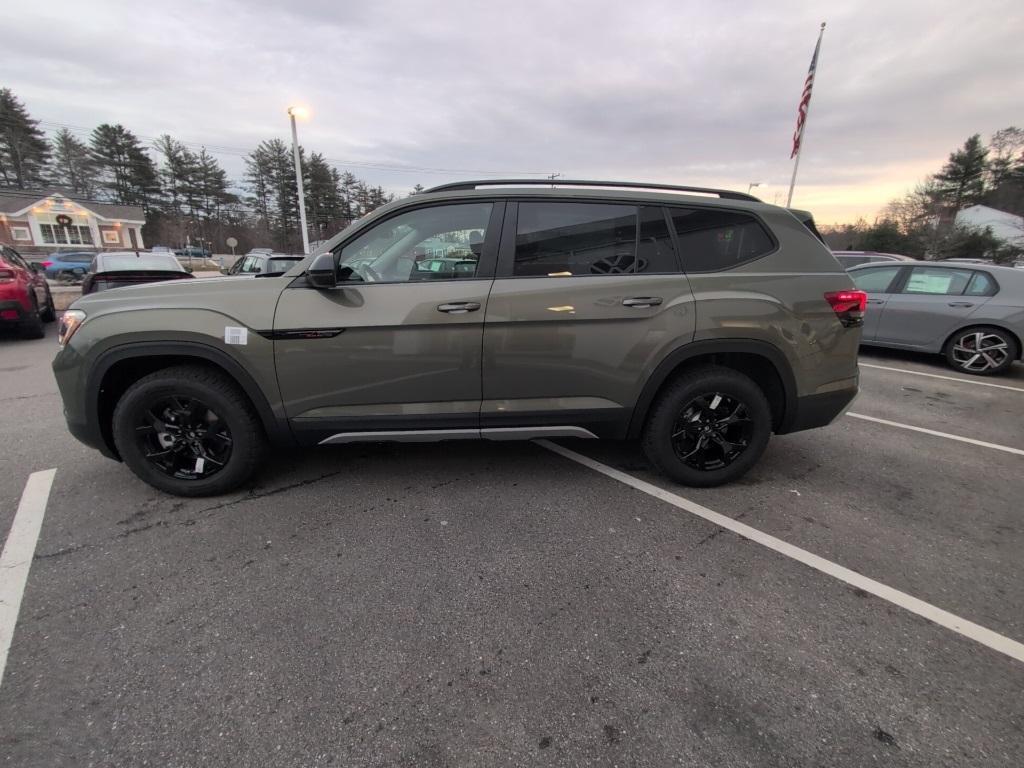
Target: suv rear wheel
{"x": 188, "y": 431}
{"x": 708, "y": 427}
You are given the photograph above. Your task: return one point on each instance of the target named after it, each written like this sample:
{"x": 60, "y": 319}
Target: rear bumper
{"x": 812, "y": 411}
{"x": 7, "y": 306}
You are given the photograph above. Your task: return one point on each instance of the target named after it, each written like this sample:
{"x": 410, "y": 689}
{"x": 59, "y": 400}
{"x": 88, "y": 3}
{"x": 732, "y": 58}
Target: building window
{"x": 73, "y": 235}
{"x": 111, "y": 237}
{"x": 21, "y": 234}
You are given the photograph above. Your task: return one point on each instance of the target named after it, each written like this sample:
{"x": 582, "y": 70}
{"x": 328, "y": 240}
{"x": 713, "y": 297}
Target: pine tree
{"x": 24, "y": 151}
{"x": 73, "y": 166}
{"x": 176, "y": 171}
{"x": 127, "y": 172}
{"x": 962, "y": 180}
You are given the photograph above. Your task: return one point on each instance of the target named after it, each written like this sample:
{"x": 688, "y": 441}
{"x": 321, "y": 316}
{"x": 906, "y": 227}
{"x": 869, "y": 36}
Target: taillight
{"x": 45, "y": 264}
{"x": 849, "y": 306}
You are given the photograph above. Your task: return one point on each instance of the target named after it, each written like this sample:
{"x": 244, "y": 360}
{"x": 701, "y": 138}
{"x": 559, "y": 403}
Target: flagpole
{"x": 803, "y": 129}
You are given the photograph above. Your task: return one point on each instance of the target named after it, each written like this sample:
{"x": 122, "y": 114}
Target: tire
{"x": 675, "y": 413}
{"x": 197, "y": 387}
{"x": 999, "y": 350}
{"x": 31, "y": 326}
{"x": 49, "y": 313}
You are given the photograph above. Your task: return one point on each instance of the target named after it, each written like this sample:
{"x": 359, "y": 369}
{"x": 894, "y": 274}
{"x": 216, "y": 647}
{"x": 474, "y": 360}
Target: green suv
{"x": 698, "y": 321}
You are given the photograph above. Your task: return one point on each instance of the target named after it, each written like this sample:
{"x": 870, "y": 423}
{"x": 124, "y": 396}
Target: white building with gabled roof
{"x": 52, "y": 219}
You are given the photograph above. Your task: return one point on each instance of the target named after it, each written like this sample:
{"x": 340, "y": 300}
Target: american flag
{"x": 805, "y": 98}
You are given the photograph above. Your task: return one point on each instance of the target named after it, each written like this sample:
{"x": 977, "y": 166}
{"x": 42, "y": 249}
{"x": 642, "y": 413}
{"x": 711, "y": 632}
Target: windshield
{"x": 120, "y": 262}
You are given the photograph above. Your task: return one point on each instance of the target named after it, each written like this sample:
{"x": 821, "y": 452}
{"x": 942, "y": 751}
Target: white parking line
{"x": 947, "y": 378}
{"x": 17, "y": 555}
{"x": 936, "y": 433}
{"x": 968, "y": 629}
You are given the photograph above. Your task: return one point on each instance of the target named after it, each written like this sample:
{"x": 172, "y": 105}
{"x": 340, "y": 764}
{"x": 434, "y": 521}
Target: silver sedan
{"x": 971, "y": 313}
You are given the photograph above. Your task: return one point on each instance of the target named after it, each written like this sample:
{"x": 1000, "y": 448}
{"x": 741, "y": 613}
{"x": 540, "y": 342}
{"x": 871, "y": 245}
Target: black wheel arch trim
{"x": 277, "y": 430}
{"x": 694, "y": 349}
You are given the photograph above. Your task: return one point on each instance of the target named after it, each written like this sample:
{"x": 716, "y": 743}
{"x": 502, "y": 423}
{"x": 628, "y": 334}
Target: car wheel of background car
{"x": 708, "y": 427}
{"x": 31, "y": 326}
{"x": 49, "y": 311}
{"x": 188, "y": 431}
{"x": 982, "y": 351}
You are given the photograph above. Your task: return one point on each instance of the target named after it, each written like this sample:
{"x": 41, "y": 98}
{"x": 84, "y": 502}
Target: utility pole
{"x": 292, "y": 112}
{"x": 554, "y": 176}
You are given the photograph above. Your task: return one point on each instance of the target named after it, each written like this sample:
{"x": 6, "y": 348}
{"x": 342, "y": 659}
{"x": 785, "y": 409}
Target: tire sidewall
{"x": 657, "y": 435}
{"x": 1011, "y": 344}
{"x": 128, "y": 413}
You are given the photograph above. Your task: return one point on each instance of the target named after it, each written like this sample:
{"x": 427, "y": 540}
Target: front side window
{"x": 937, "y": 281}
{"x": 711, "y": 240}
{"x": 442, "y": 242}
{"x": 875, "y": 280}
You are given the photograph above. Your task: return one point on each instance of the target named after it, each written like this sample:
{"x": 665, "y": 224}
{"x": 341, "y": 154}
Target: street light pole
{"x": 292, "y": 111}
{"x": 752, "y": 184}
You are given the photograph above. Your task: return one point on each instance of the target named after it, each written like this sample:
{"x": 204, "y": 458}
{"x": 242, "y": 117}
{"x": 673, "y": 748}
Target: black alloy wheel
{"x": 708, "y": 426}
{"x": 189, "y": 430}
{"x": 712, "y": 431}
{"x": 184, "y": 438}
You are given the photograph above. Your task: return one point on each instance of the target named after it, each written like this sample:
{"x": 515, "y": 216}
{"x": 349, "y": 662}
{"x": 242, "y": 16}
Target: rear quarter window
{"x": 711, "y": 240}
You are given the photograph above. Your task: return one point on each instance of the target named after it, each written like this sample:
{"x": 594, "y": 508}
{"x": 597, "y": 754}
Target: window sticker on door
{"x": 929, "y": 283}
{"x": 234, "y": 335}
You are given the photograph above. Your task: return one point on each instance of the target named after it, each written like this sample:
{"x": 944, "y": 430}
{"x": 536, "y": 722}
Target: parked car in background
{"x": 161, "y": 249}
{"x": 70, "y": 265}
{"x": 633, "y": 311}
{"x": 192, "y": 251}
{"x": 25, "y": 300}
{"x": 118, "y": 269}
{"x": 849, "y": 259}
{"x": 263, "y": 264}
{"x": 971, "y": 313}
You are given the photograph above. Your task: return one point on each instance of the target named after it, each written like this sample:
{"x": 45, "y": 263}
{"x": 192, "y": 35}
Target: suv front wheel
{"x": 188, "y": 431}
{"x": 708, "y": 427}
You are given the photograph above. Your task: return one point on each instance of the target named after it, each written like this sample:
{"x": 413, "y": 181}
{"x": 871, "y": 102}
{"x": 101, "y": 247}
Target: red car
{"x": 25, "y": 300}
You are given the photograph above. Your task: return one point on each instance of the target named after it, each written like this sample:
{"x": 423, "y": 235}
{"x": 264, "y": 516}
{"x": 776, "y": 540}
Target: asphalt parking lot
{"x": 504, "y": 604}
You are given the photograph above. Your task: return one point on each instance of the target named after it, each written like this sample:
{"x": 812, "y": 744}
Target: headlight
{"x": 70, "y": 322}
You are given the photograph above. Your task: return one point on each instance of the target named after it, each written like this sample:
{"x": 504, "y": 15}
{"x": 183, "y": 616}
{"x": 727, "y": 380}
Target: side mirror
{"x": 322, "y": 273}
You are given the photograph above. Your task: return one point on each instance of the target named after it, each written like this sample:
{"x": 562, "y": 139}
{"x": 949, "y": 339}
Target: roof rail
{"x": 457, "y": 186}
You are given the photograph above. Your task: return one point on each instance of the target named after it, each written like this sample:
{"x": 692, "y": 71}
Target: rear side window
{"x": 981, "y": 284}
{"x": 556, "y": 239}
{"x": 937, "y": 281}
{"x": 875, "y": 280}
{"x": 567, "y": 239}
{"x": 712, "y": 240}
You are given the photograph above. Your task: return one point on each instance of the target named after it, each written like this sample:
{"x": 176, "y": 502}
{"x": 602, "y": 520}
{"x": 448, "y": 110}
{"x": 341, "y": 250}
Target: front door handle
{"x": 642, "y": 301}
{"x": 459, "y": 307}
{"x": 961, "y": 303}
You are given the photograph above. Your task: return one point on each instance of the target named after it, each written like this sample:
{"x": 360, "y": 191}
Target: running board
{"x": 434, "y": 435}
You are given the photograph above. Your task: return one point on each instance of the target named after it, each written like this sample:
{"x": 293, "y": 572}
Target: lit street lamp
{"x": 294, "y": 112}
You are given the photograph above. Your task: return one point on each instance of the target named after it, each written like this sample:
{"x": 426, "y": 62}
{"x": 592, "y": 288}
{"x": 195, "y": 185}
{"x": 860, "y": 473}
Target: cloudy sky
{"x": 404, "y": 92}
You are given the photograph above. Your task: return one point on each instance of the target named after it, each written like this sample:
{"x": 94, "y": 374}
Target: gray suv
{"x": 698, "y": 321}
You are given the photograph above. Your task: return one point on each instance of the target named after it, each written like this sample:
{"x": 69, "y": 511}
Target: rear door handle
{"x": 459, "y": 307}
{"x": 876, "y": 301}
{"x": 961, "y": 303}
{"x": 642, "y": 301}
